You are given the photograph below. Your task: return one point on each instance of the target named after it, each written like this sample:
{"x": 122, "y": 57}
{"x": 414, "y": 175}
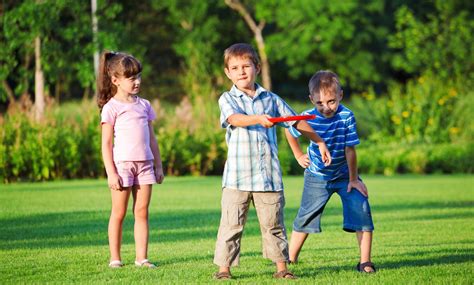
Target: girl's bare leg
{"x": 117, "y": 215}
{"x": 141, "y": 201}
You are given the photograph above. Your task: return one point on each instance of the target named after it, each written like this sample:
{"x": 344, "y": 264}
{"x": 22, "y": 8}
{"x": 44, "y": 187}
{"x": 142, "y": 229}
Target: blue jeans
{"x": 316, "y": 194}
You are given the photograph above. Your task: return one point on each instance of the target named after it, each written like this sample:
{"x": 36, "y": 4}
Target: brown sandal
{"x": 284, "y": 274}
{"x": 361, "y": 267}
{"x": 222, "y": 276}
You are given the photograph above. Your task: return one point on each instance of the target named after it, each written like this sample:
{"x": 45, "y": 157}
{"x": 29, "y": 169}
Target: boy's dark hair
{"x": 326, "y": 81}
{"x": 116, "y": 64}
{"x": 241, "y": 50}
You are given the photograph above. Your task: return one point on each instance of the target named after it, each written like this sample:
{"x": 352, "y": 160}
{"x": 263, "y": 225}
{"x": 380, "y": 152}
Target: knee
{"x": 140, "y": 213}
{"x": 118, "y": 215}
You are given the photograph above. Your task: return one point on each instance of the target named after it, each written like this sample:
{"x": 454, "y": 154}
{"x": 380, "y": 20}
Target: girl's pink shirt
{"x": 131, "y": 133}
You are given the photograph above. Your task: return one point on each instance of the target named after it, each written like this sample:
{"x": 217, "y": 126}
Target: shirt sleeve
{"x": 283, "y": 110}
{"x": 294, "y": 132}
{"x": 107, "y": 115}
{"x": 150, "y": 112}
{"x": 228, "y": 107}
{"x": 352, "y": 138}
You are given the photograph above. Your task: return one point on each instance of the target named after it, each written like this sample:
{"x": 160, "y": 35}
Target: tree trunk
{"x": 95, "y": 30}
{"x": 257, "y": 31}
{"x": 39, "y": 81}
{"x": 9, "y": 91}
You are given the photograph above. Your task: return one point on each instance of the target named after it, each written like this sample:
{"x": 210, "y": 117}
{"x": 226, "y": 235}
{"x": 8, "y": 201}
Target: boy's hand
{"x": 303, "y": 160}
{"x": 359, "y": 185}
{"x": 263, "y": 120}
{"x": 159, "y": 175}
{"x": 325, "y": 154}
{"x": 115, "y": 182}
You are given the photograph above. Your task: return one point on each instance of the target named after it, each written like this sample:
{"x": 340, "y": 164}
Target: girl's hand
{"x": 359, "y": 185}
{"x": 303, "y": 160}
{"x": 159, "y": 175}
{"x": 115, "y": 182}
{"x": 263, "y": 120}
{"x": 325, "y": 154}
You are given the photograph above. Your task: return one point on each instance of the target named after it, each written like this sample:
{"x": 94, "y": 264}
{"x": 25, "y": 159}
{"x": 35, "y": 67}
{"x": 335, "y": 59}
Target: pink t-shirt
{"x": 131, "y": 132}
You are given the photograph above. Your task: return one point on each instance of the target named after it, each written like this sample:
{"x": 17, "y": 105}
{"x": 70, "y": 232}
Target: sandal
{"x": 222, "y": 275}
{"x": 145, "y": 263}
{"x": 284, "y": 274}
{"x": 361, "y": 267}
{"x": 115, "y": 264}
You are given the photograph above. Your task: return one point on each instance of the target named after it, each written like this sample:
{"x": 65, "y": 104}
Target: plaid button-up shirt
{"x": 252, "y": 157}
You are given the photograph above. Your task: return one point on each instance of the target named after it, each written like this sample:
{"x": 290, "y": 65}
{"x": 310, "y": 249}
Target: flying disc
{"x": 292, "y": 118}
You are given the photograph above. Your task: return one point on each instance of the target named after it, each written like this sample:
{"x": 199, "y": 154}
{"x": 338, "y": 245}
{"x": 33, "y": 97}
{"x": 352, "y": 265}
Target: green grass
{"x": 56, "y": 232}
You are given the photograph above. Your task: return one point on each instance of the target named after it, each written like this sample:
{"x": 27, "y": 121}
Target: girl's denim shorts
{"x": 316, "y": 194}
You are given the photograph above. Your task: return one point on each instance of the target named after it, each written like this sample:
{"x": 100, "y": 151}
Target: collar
{"x": 234, "y": 91}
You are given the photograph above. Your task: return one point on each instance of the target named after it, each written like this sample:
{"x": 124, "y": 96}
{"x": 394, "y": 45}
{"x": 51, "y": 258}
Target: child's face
{"x": 128, "y": 86}
{"x": 326, "y": 102}
{"x": 242, "y": 72}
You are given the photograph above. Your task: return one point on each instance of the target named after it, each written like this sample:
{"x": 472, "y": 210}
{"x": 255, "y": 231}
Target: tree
{"x": 439, "y": 42}
{"x": 257, "y": 31}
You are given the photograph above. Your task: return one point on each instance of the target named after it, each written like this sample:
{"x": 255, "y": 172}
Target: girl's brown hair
{"x": 116, "y": 64}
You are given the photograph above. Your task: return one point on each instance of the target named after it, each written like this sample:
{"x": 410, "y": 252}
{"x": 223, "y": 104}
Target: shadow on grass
{"x": 422, "y": 206}
{"x": 418, "y": 259}
{"x": 71, "y": 229}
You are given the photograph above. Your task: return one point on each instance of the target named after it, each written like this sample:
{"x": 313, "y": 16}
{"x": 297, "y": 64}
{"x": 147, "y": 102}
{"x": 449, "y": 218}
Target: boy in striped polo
{"x": 337, "y": 127}
{"x": 252, "y": 171}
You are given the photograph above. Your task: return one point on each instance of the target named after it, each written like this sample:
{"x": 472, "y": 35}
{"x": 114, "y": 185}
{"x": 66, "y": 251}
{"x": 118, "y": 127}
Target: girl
{"x": 129, "y": 150}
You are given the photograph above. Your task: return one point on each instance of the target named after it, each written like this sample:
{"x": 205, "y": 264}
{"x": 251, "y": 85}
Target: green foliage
{"x": 439, "y": 42}
{"x": 65, "y": 145}
{"x": 427, "y": 110}
{"x": 345, "y": 36}
{"x": 424, "y": 158}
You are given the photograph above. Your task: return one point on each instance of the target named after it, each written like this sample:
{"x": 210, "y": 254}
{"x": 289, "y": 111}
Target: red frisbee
{"x": 292, "y": 118}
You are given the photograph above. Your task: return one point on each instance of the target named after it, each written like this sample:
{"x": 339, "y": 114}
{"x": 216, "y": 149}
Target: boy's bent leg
{"x": 269, "y": 206}
{"x": 365, "y": 244}
{"x": 235, "y": 205}
{"x": 296, "y": 243}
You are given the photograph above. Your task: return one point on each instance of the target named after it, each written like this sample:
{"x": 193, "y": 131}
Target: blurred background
{"x": 407, "y": 69}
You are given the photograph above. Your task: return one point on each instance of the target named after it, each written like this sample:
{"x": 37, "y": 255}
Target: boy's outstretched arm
{"x": 305, "y": 129}
{"x": 354, "y": 181}
{"x": 241, "y": 120}
{"x": 301, "y": 157}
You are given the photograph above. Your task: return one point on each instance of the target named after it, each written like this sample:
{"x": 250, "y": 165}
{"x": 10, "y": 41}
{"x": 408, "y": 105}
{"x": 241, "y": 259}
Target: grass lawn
{"x": 56, "y": 232}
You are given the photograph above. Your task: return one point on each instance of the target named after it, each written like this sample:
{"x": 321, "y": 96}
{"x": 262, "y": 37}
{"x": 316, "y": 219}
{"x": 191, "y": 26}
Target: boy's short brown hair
{"x": 241, "y": 50}
{"x": 326, "y": 81}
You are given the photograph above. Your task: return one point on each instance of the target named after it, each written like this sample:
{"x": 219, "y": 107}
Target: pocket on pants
{"x": 272, "y": 209}
{"x": 234, "y": 207}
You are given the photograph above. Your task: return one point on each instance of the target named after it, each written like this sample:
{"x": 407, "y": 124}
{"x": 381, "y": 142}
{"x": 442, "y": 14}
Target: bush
{"x": 421, "y": 159}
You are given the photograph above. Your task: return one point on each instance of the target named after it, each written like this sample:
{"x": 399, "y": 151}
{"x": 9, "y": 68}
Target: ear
{"x": 115, "y": 80}
{"x": 227, "y": 72}
{"x": 258, "y": 69}
{"x": 311, "y": 98}
{"x": 341, "y": 95}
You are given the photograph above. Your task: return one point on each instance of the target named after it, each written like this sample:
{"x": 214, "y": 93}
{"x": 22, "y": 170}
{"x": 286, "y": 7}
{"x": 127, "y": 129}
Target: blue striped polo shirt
{"x": 252, "y": 156}
{"x": 337, "y": 132}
